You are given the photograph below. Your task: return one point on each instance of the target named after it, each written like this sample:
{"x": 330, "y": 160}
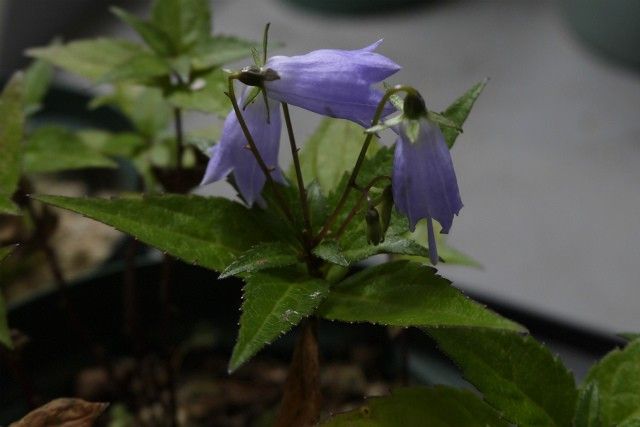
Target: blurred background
{"x": 549, "y": 164}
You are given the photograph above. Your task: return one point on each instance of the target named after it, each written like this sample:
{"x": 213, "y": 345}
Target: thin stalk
{"x": 351, "y": 184}
{"x": 177, "y": 118}
{"x": 254, "y": 149}
{"x": 304, "y": 202}
{"x": 354, "y": 211}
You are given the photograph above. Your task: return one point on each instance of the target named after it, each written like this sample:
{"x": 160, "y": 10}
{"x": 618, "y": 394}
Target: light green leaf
{"x": 330, "y": 152}
{"x": 329, "y": 250}
{"x": 617, "y": 377}
{"x": 11, "y": 132}
{"x": 516, "y": 374}
{"x": 205, "y": 94}
{"x": 53, "y": 149}
{"x": 273, "y": 303}
{"x": 261, "y": 257}
{"x": 437, "y": 406}
{"x": 37, "y": 79}
{"x": 139, "y": 69}
{"x": 90, "y": 58}
{"x": 588, "y": 408}
{"x": 5, "y": 333}
{"x": 459, "y": 111}
{"x": 210, "y": 232}
{"x": 153, "y": 36}
{"x": 403, "y": 293}
{"x": 186, "y": 22}
{"x": 219, "y": 50}
{"x": 119, "y": 144}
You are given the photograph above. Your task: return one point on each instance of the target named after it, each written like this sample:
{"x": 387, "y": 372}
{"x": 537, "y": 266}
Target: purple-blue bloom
{"x": 331, "y": 82}
{"x": 424, "y": 182}
{"x": 231, "y": 154}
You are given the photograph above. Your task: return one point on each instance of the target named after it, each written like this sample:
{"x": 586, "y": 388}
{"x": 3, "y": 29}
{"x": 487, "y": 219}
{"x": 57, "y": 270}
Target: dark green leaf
{"x": 588, "y": 408}
{"x": 516, "y": 374}
{"x": 329, "y": 250}
{"x": 205, "y": 94}
{"x": 261, "y": 257}
{"x": 11, "y": 132}
{"x": 139, "y": 69}
{"x": 53, "y": 149}
{"x": 459, "y": 111}
{"x": 5, "y": 333}
{"x": 273, "y": 303}
{"x": 219, "y": 50}
{"x": 330, "y": 152}
{"x": 186, "y": 22}
{"x": 37, "y": 79}
{"x": 617, "y": 377}
{"x": 210, "y": 232}
{"x": 403, "y": 293}
{"x": 153, "y": 36}
{"x": 91, "y": 58}
{"x": 436, "y": 406}
{"x": 629, "y": 336}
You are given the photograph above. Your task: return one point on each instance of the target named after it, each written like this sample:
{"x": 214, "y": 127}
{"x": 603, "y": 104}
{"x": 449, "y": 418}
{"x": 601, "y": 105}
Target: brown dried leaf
{"x": 63, "y": 412}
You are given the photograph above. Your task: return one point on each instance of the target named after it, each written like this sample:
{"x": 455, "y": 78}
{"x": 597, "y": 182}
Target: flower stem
{"x": 351, "y": 184}
{"x": 254, "y": 149}
{"x": 358, "y": 205}
{"x": 304, "y": 202}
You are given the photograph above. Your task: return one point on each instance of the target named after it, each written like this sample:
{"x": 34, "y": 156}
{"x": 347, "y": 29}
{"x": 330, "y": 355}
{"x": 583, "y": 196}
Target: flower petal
{"x": 424, "y": 181}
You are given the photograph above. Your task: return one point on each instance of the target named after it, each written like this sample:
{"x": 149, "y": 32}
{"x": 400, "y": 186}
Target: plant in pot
{"x": 296, "y": 239}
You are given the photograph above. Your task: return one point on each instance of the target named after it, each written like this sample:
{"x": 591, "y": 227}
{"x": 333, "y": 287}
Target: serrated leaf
{"x": 152, "y": 35}
{"x": 54, "y": 149}
{"x": 459, "y": 111}
{"x": 206, "y": 94}
{"x": 274, "y": 302}
{"x": 330, "y": 250}
{"x": 90, "y": 58}
{"x": 210, "y": 232}
{"x": 186, "y": 22}
{"x": 37, "y": 79}
{"x": 588, "y": 407}
{"x": 516, "y": 374}
{"x": 330, "y": 152}
{"x": 11, "y": 132}
{"x": 219, "y": 50}
{"x": 139, "y": 69}
{"x": 261, "y": 257}
{"x": 402, "y": 293}
{"x": 617, "y": 377}
{"x": 437, "y": 406}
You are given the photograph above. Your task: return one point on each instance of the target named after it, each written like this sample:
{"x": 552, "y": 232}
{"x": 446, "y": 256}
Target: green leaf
{"x": 11, "y": 132}
{"x": 629, "y": 336}
{"x": 459, "y": 111}
{"x": 139, "y": 69}
{"x": 617, "y": 377}
{"x": 516, "y": 374}
{"x": 5, "y": 333}
{"x": 261, "y": 257}
{"x": 91, "y": 58}
{"x": 4, "y": 252}
{"x": 449, "y": 254}
{"x": 219, "y": 50}
{"x": 186, "y": 22}
{"x": 210, "y": 232}
{"x": 403, "y": 293}
{"x": 54, "y": 149}
{"x": 330, "y": 151}
{"x": 329, "y": 250}
{"x": 153, "y": 36}
{"x": 588, "y": 408}
{"x": 437, "y": 406}
{"x": 205, "y": 94}
{"x": 119, "y": 144}
{"x": 273, "y": 303}
{"x": 37, "y": 79}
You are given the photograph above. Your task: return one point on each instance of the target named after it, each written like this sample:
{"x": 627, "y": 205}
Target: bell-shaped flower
{"x": 331, "y": 82}
{"x": 424, "y": 182}
{"x": 232, "y": 153}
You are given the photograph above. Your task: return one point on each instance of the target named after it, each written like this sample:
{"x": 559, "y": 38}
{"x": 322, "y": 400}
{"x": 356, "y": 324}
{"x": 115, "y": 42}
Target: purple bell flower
{"x": 231, "y": 154}
{"x": 331, "y": 82}
{"x": 424, "y": 182}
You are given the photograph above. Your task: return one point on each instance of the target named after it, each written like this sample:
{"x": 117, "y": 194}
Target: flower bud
{"x": 414, "y": 106}
{"x": 256, "y": 76}
{"x": 374, "y": 229}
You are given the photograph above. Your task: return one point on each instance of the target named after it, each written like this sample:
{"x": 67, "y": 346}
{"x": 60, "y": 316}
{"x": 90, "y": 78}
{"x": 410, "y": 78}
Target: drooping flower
{"x": 231, "y": 154}
{"x": 335, "y": 83}
{"x": 424, "y": 181}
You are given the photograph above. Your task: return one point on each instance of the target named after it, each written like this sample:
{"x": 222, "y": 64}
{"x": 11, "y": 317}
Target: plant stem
{"x": 254, "y": 149}
{"x": 304, "y": 202}
{"x": 358, "y": 205}
{"x": 177, "y": 119}
{"x": 351, "y": 184}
